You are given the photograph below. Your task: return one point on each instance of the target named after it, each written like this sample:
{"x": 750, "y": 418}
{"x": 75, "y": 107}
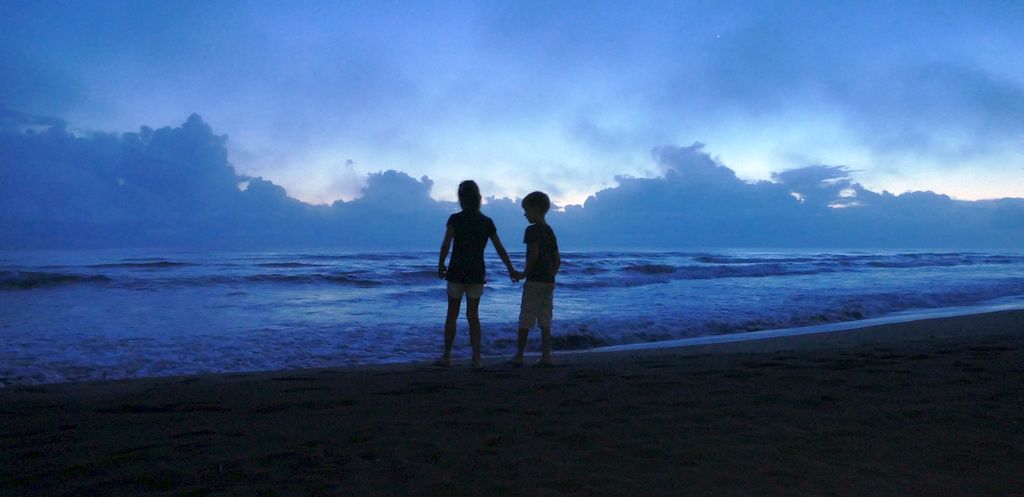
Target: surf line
{"x": 897, "y": 317}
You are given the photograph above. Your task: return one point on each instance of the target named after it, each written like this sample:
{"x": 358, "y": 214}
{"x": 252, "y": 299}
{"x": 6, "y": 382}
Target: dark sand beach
{"x": 933, "y": 407}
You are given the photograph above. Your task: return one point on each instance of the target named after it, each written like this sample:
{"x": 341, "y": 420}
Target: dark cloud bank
{"x": 175, "y": 187}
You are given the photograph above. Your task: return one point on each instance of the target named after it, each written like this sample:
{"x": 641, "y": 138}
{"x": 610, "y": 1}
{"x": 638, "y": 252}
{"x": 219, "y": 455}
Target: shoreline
{"x": 929, "y": 407}
{"x": 681, "y": 345}
{"x": 1014, "y": 303}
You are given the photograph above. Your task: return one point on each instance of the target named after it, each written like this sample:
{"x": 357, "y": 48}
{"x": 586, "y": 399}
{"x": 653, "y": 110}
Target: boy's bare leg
{"x": 517, "y": 359}
{"x": 473, "y": 316}
{"x": 449, "y": 331}
{"x": 545, "y": 345}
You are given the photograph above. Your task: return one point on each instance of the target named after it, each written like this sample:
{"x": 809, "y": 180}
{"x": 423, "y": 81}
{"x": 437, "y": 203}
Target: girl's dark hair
{"x": 469, "y": 196}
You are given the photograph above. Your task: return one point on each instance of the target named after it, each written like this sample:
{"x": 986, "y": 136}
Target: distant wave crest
{"x": 592, "y": 271}
{"x": 26, "y": 280}
{"x": 143, "y": 265}
{"x": 581, "y": 270}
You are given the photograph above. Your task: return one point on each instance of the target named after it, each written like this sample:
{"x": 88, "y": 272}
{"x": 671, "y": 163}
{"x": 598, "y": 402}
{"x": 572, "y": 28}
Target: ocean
{"x": 108, "y": 314}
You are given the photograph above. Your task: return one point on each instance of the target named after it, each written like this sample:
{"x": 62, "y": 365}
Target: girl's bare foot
{"x": 444, "y": 361}
{"x": 477, "y": 364}
{"x": 545, "y": 362}
{"x": 517, "y": 360}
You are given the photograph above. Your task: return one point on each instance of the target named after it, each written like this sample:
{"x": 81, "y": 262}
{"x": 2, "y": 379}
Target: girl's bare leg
{"x": 473, "y": 316}
{"x": 449, "y": 330}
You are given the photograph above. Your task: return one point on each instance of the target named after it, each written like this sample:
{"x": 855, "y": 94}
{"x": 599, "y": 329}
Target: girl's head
{"x": 469, "y": 196}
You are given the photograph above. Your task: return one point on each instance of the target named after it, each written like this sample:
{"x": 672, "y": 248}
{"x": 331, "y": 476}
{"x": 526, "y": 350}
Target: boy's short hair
{"x": 539, "y": 200}
{"x": 469, "y": 195}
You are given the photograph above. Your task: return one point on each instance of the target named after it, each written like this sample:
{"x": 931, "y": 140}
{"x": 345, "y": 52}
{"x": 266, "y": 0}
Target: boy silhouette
{"x": 542, "y": 262}
{"x": 469, "y": 231}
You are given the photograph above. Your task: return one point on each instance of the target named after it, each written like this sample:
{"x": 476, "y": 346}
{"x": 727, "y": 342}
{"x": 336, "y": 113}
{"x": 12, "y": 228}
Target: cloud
{"x": 914, "y": 81}
{"x": 175, "y": 186}
{"x": 476, "y": 84}
{"x": 17, "y": 121}
{"x": 819, "y": 184}
{"x": 943, "y": 111}
{"x": 699, "y": 202}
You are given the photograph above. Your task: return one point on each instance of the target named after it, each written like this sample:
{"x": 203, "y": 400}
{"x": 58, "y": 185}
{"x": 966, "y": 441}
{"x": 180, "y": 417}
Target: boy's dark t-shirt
{"x": 544, "y": 270}
{"x": 472, "y": 230}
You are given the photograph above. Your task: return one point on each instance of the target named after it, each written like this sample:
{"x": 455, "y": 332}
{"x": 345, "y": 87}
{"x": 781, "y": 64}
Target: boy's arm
{"x": 558, "y": 258}
{"x": 442, "y": 270}
{"x": 512, "y": 273}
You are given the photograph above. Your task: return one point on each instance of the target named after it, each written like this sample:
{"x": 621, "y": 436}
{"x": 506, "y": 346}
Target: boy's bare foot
{"x": 545, "y": 362}
{"x": 516, "y": 360}
{"x": 444, "y": 362}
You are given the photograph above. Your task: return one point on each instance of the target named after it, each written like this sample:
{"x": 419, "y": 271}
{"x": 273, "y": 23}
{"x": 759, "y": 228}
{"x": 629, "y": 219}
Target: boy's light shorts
{"x": 471, "y": 290}
{"x": 538, "y": 304}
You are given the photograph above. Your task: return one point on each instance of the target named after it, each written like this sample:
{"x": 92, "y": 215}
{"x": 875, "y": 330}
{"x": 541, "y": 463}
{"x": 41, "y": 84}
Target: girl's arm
{"x": 512, "y": 273}
{"x": 442, "y": 270}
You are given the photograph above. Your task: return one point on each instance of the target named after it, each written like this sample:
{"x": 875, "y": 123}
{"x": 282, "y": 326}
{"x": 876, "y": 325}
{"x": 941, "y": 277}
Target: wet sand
{"x": 932, "y": 407}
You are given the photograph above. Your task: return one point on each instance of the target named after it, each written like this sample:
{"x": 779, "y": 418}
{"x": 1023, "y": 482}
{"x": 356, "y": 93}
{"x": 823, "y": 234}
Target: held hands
{"x": 442, "y": 271}
{"x": 514, "y": 275}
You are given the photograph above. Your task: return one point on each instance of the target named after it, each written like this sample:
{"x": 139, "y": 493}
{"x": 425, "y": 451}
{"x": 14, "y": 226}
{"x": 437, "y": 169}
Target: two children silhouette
{"x": 467, "y": 234}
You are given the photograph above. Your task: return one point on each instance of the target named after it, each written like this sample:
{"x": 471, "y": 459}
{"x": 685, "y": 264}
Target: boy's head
{"x": 469, "y": 196}
{"x": 535, "y": 206}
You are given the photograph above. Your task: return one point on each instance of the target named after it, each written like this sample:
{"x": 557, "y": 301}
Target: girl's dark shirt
{"x": 547, "y": 245}
{"x": 472, "y": 230}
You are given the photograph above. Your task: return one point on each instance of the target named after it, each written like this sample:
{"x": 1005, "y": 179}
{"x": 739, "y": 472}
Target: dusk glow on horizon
{"x": 565, "y": 97}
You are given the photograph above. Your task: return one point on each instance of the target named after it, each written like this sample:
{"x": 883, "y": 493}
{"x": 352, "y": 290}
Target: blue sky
{"x": 560, "y": 96}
